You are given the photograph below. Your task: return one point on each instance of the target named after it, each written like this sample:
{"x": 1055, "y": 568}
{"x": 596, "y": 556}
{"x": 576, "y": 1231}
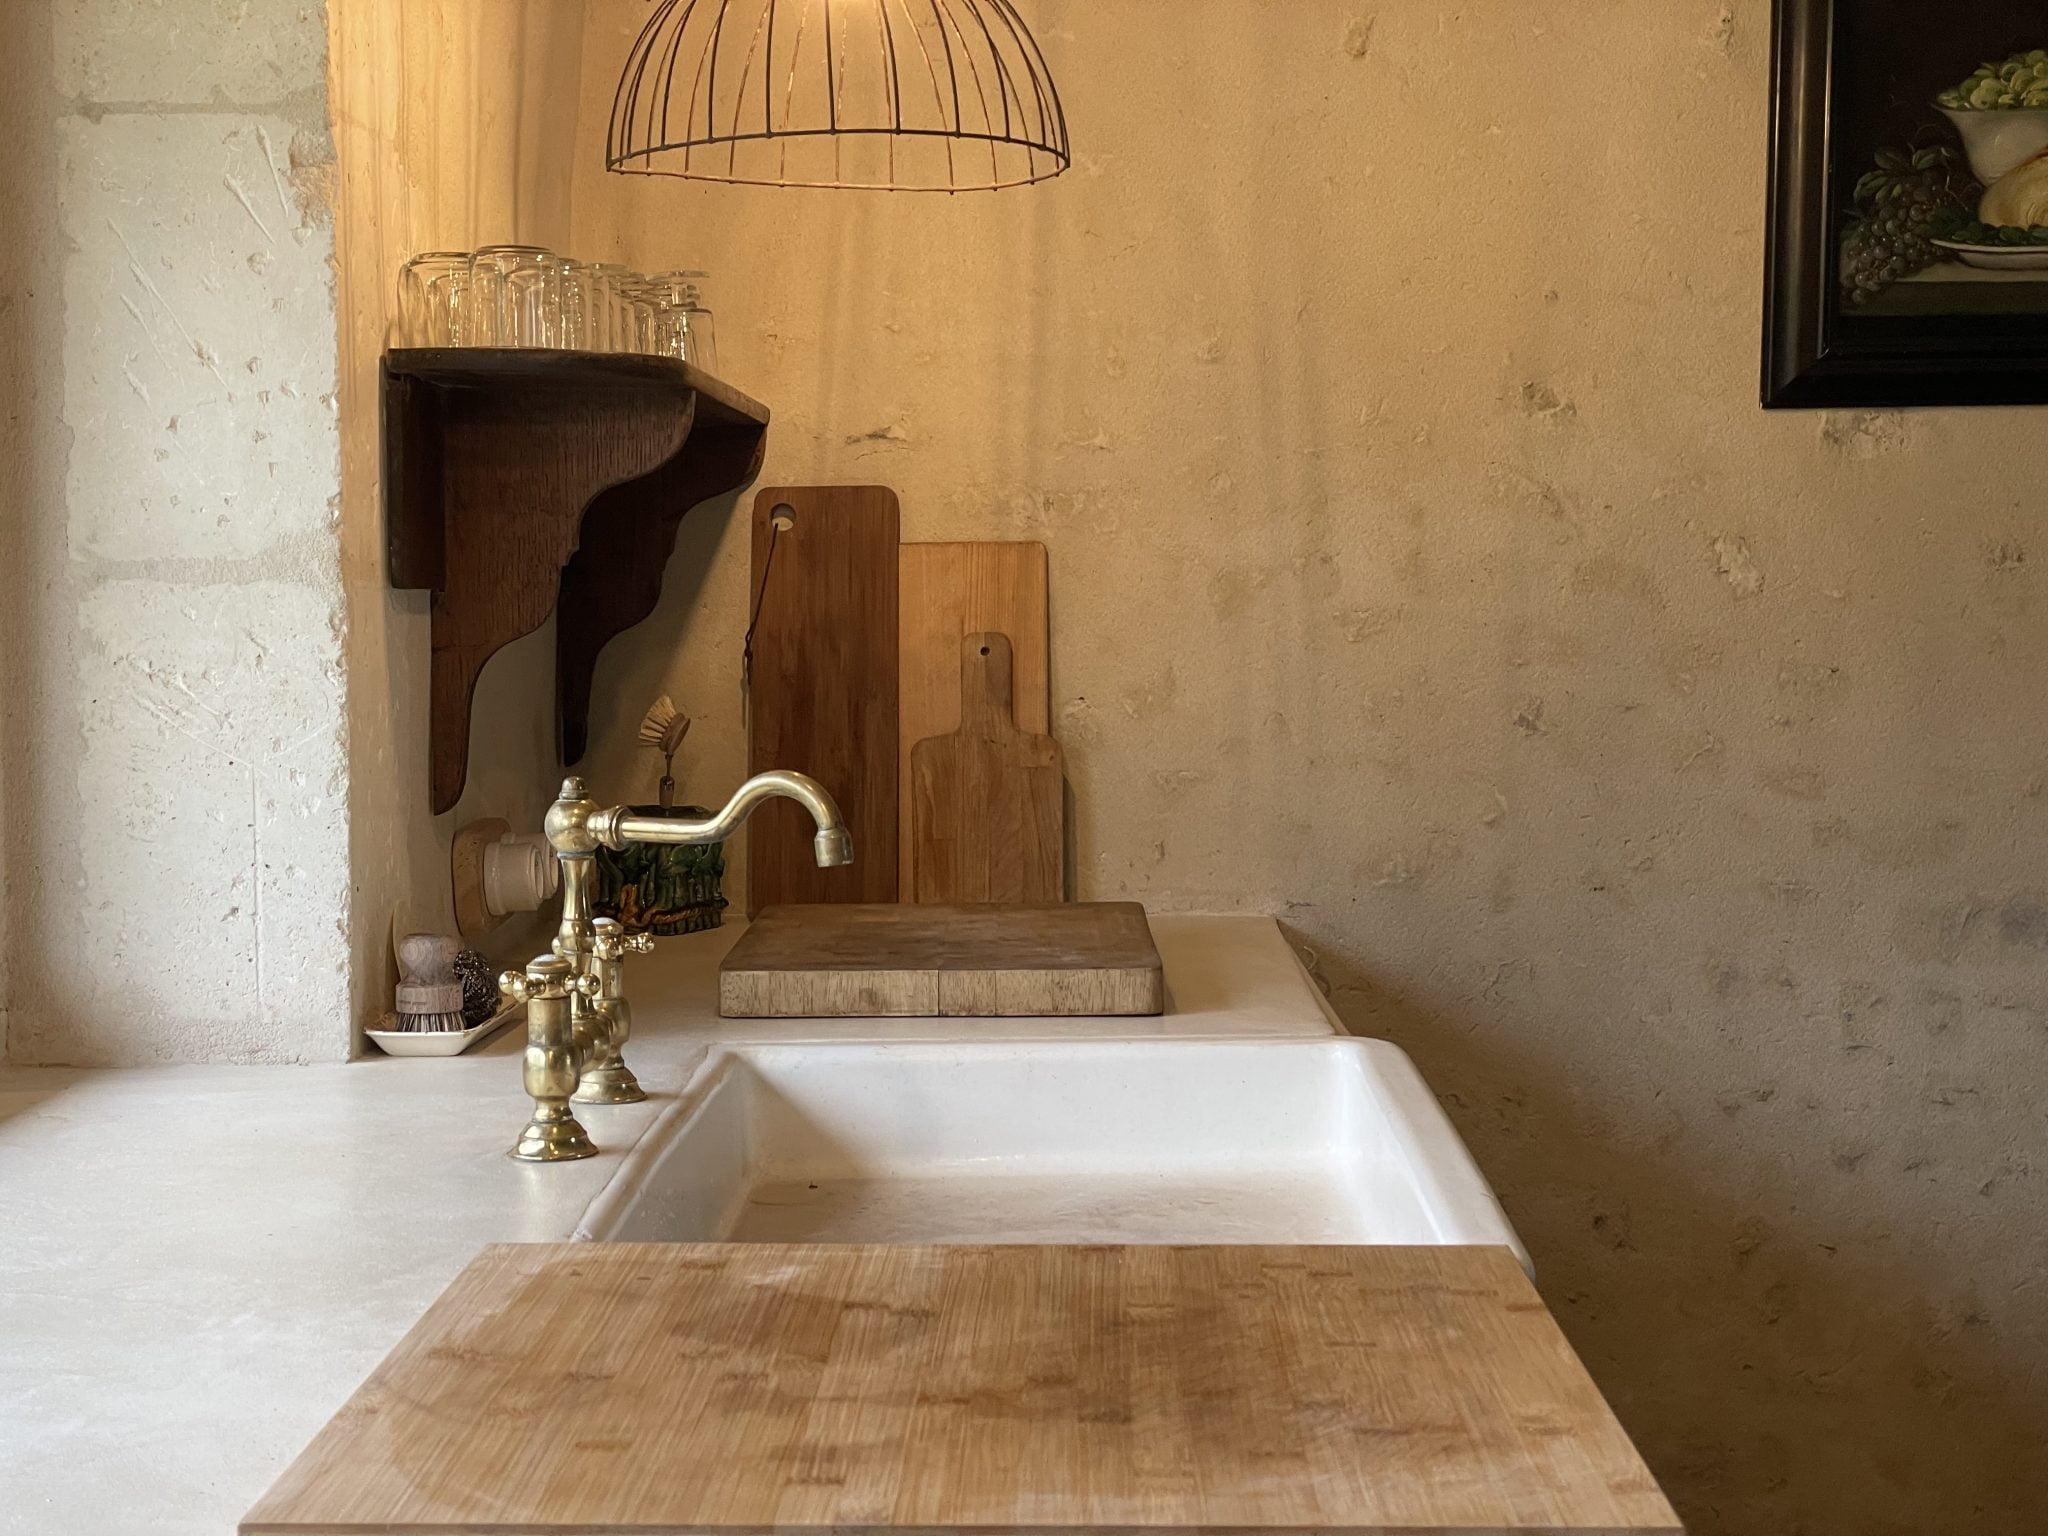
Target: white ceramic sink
{"x": 1082, "y": 1141}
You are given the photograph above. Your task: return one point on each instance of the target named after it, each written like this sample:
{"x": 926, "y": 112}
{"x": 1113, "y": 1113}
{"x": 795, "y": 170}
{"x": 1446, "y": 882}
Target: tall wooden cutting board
{"x": 951, "y": 591}
{"x": 987, "y": 819}
{"x": 822, "y": 690}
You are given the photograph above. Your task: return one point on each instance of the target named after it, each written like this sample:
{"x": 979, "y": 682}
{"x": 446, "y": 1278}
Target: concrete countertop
{"x": 199, "y": 1264}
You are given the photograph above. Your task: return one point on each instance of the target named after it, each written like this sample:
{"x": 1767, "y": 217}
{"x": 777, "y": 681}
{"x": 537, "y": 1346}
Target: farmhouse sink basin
{"x": 1090, "y": 1141}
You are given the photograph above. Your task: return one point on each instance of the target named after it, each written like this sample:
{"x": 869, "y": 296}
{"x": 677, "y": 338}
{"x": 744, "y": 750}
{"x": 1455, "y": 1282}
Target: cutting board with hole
{"x": 946, "y": 593}
{"x": 987, "y": 818}
{"x": 822, "y": 686}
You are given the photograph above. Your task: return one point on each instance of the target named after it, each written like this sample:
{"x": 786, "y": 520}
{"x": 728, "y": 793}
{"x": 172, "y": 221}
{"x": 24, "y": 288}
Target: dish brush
{"x": 429, "y": 993}
{"x": 664, "y": 729}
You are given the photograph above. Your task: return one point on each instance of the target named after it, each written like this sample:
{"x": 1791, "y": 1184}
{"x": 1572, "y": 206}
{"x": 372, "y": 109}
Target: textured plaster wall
{"x": 1668, "y": 777}
{"x": 175, "y": 843}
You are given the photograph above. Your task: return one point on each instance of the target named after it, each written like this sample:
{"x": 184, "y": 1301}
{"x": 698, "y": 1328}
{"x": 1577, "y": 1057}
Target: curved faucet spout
{"x": 833, "y": 845}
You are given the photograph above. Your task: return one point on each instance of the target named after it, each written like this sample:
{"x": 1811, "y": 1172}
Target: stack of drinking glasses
{"x": 524, "y": 296}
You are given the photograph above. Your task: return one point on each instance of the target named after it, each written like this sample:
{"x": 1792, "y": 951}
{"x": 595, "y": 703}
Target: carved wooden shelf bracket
{"x": 518, "y": 482}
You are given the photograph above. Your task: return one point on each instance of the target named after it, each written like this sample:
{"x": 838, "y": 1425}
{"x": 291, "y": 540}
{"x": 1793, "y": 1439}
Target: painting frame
{"x": 1814, "y": 353}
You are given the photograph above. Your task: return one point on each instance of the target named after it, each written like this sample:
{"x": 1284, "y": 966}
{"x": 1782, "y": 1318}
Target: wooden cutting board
{"x": 947, "y": 592}
{"x": 706, "y": 1388}
{"x": 822, "y": 687}
{"x": 1076, "y": 959}
{"x": 987, "y": 812}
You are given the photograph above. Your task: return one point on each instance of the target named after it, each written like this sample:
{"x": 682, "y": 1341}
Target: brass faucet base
{"x": 613, "y": 1083}
{"x": 553, "y": 1140}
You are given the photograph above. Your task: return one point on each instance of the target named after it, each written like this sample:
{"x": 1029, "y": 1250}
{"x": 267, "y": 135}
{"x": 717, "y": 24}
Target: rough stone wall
{"x": 1666, "y": 776}
{"x": 176, "y": 847}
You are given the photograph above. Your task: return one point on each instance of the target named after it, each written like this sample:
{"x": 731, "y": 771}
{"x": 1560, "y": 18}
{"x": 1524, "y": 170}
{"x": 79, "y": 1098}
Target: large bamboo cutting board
{"x": 822, "y": 687}
{"x": 987, "y": 814}
{"x": 710, "y": 1388}
{"x": 1078, "y": 959}
{"x": 946, "y": 593}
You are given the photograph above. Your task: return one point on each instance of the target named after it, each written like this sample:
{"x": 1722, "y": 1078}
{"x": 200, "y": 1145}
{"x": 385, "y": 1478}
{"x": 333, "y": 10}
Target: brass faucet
{"x": 577, "y": 1017}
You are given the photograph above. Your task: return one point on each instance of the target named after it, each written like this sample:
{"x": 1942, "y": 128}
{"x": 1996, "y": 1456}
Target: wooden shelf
{"x": 517, "y": 483}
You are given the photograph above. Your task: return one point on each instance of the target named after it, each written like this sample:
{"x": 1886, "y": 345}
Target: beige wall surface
{"x": 174, "y": 834}
{"x": 455, "y": 122}
{"x": 1668, "y": 777}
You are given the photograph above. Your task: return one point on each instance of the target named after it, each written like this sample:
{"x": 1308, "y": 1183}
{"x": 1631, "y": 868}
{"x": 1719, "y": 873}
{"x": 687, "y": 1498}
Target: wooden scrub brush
{"x": 429, "y": 992}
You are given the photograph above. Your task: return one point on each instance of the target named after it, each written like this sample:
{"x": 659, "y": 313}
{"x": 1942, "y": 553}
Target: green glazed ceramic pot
{"x": 662, "y": 890}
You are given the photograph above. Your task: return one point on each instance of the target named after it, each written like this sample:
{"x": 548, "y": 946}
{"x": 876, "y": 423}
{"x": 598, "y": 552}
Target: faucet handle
{"x": 545, "y": 976}
{"x": 516, "y": 987}
{"x": 610, "y": 941}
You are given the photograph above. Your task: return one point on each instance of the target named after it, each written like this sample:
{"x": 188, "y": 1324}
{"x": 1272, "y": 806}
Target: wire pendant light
{"x": 905, "y": 95}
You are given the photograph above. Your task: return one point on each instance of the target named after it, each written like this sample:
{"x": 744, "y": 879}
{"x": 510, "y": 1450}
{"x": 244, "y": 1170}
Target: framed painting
{"x": 1907, "y": 259}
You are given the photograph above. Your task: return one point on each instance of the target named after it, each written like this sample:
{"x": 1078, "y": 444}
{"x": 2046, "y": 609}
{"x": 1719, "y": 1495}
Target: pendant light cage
{"x": 898, "y": 95}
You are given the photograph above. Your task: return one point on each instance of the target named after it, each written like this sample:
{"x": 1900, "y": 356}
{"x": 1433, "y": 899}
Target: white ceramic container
{"x": 441, "y": 1042}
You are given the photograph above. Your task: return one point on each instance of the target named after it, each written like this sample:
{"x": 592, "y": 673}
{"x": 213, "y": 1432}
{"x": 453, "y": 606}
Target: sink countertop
{"x": 198, "y": 1264}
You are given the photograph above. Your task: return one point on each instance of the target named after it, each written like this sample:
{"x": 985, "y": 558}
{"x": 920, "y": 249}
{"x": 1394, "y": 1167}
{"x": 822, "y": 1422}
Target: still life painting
{"x": 1909, "y": 244}
{"x": 1954, "y": 217}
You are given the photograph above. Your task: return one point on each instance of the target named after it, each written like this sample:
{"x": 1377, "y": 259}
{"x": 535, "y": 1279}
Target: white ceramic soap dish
{"x": 442, "y": 1042}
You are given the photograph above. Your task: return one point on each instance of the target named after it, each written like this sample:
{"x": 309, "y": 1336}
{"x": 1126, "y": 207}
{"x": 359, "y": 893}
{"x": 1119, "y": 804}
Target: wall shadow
{"x": 23, "y": 1089}
{"x": 1772, "y": 1383}
{"x": 33, "y": 447}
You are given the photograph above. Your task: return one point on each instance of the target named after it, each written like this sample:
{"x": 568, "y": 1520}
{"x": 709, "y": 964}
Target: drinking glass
{"x": 584, "y": 321}
{"x": 613, "y": 307}
{"x": 687, "y": 330}
{"x": 514, "y": 296}
{"x": 643, "y": 316}
{"x": 433, "y": 300}
{"x": 671, "y": 292}
{"x": 700, "y": 339}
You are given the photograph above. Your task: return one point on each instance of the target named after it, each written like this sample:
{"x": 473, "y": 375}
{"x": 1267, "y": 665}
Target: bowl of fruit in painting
{"x": 1999, "y": 142}
{"x": 2002, "y": 114}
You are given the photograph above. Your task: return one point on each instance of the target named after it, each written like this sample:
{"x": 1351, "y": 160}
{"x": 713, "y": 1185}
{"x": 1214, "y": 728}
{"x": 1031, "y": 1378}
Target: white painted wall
{"x": 175, "y": 836}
